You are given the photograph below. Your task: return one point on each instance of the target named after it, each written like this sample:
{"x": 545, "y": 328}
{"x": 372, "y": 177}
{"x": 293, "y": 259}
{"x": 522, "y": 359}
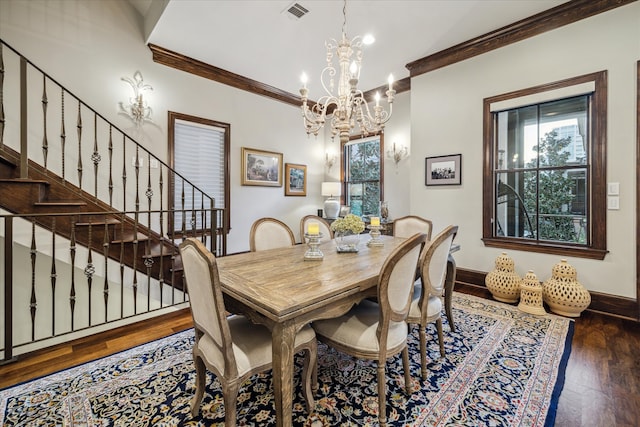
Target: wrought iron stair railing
{"x": 101, "y": 193}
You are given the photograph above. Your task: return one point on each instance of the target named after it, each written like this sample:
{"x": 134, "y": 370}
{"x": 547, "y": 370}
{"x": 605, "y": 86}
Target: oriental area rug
{"x": 502, "y": 367}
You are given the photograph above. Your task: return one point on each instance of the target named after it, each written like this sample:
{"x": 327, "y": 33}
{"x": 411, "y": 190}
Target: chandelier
{"x": 346, "y": 103}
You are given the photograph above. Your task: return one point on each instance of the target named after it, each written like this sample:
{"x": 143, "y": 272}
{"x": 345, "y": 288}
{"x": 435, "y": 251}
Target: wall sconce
{"x": 398, "y": 153}
{"x": 330, "y": 160}
{"x": 136, "y": 108}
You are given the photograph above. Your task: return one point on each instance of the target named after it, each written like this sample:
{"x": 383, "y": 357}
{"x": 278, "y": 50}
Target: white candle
{"x": 313, "y": 229}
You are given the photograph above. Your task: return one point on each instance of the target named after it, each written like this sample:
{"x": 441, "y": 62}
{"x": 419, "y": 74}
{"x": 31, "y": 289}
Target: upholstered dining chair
{"x": 232, "y": 347}
{"x": 270, "y": 233}
{"x": 325, "y": 228}
{"x": 378, "y": 331}
{"x": 407, "y": 226}
{"x": 426, "y": 305}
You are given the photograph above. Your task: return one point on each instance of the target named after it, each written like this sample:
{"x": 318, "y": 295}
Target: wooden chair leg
{"x": 407, "y": 371}
{"x": 423, "y": 351}
{"x": 440, "y": 336}
{"x": 382, "y": 393}
{"x": 230, "y": 396}
{"x": 201, "y": 378}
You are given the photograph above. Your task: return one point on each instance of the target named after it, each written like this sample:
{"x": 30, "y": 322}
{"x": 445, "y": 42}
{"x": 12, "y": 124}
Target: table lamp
{"x": 332, "y": 204}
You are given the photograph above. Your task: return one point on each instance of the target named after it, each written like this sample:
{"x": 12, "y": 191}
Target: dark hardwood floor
{"x": 602, "y": 386}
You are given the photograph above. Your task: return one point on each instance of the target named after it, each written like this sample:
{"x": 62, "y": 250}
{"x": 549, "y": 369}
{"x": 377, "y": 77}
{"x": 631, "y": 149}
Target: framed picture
{"x": 295, "y": 180}
{"x": 443, "y": 170}
{"x": 344, "y": 211}
{"x": 261, "y": 168}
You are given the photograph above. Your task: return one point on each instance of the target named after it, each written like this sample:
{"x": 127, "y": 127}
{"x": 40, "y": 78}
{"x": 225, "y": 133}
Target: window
{"x": 362, "y": 175}
{"x": 199, "y": 152}
{"x": 544, "y": 168}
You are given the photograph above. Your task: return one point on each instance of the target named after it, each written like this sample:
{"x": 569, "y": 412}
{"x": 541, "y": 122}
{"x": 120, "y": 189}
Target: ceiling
{"x": 260, "y": 40}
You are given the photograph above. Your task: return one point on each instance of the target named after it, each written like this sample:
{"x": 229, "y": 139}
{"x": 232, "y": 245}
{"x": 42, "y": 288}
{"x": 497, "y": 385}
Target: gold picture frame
{"x": 261, "y": 167}
{"x": 295, "y": 179}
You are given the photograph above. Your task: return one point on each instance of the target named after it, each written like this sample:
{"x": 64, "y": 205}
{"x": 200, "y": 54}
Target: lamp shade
{"x": 331, "y": 189}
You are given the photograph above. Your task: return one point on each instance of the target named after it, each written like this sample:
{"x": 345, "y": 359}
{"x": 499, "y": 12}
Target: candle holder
{"x": 375, "y": 236}
{"x": 313, "y": 253}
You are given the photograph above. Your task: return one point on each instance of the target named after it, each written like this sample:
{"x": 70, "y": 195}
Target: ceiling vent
{"x": 297, "y": 10}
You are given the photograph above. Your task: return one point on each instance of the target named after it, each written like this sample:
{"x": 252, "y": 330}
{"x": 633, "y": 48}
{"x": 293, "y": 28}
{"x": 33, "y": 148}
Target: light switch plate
{"x": 613, "y": 188}
{"x": 613, "y": 203}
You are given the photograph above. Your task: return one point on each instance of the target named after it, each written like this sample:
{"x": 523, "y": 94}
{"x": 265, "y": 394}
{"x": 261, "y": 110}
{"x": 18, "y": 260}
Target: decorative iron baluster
{"x": 90, "y": 269}
{"x": 193, "y": 211}
{"x": 135, "y": 232}
{"x": 95, "y": 156}
{"x": 72, "y": 292}
{"x": 110, "y": 165}
{"x": 2, "y": 119}
{"x": 203, "y": 219}
{"x": 54, "y": 276}
{"x": 79, "y": 127}
{"x": 122, "y": 266}
{"x": 162, "y": 239}
{"x": 173, "y": 264}
{"x": 184, "y": 212}
{"x": 148, "y": 262}
{"x": 63, "y": 133}
{"x": 105, "y": 254}
{"x": 33, "y": 302}
{"x": 124, "y": 173}
{"x": 45, "y": 102}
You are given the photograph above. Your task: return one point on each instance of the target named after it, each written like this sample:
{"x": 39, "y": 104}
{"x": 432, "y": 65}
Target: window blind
{"x": 199, "y": 157}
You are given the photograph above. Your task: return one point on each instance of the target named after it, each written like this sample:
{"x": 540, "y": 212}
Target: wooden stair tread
{"x": 60, "y": 203}
{"x": 108, "y": 221}
{"x": 23, "y": 181}
{"x": 130, "y": 239}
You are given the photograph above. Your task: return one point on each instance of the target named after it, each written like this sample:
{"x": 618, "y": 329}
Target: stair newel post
{"x": 79, "y": 128}
{"x": 72, "y": 253}
{"x": 105, "y": 254}
{"x": 63, "y": 134}
{"x": 54, "y": 276}
{"x": 32, "y": 301}
{"x": 45, "y": 141}
{"x": 90, "y": 269}
{"x": 8, "y": 287}
{"x": 110, "y": 165}
{"x": 24, "y": 130}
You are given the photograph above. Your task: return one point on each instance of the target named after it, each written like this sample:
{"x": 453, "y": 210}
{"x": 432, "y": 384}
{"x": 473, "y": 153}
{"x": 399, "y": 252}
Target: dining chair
{"x": 270, "y": 233}
{"x": 407, "y": 226}
{"x": 426, "y": 305}
{"x": 325, "y": 228}
{"x": 231, "y": 347}
{"x": 378, "y": 331}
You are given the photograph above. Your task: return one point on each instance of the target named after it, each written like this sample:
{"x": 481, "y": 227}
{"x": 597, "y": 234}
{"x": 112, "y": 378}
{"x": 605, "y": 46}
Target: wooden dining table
{"x": 279, "y": 289}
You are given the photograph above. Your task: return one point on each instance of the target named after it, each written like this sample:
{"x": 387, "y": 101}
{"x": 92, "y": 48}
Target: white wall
{"x": 446, "y": 118}
{"x": 88, "y": 46}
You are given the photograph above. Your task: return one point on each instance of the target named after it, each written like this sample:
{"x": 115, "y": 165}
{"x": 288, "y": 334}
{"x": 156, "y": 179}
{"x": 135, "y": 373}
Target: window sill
{"x": 547, "y": 248}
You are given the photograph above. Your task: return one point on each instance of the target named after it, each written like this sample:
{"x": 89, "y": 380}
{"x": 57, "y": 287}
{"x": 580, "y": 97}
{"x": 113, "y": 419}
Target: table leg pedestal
{"x": 283, "y": 335}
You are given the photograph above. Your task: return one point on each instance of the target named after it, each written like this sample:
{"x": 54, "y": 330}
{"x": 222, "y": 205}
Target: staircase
{"x": 100, "y": 211}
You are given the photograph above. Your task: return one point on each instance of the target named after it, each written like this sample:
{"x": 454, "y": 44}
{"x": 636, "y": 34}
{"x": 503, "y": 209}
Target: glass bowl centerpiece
{"x": 347, "y": 232}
